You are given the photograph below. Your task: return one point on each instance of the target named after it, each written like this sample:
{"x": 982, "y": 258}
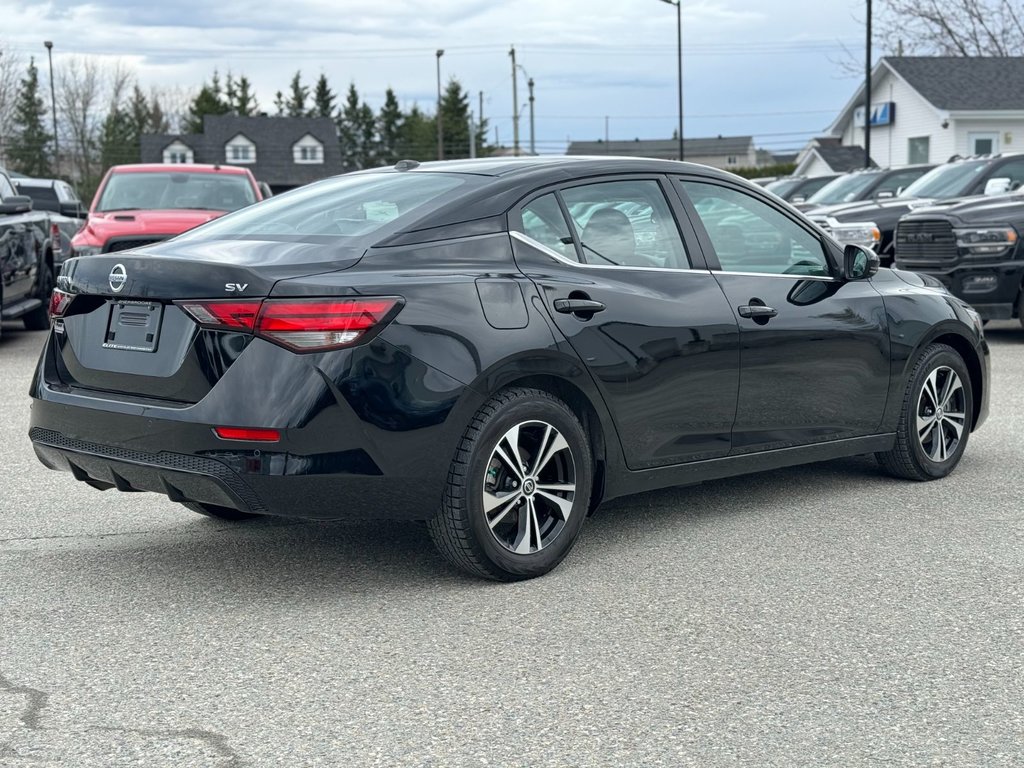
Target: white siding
{"x": 1010, "y": 133}
{"x": 812, "y": 165}
{"x": 914, "y": 117}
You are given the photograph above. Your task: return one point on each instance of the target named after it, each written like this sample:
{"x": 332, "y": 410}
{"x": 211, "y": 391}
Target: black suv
{"x": 873, "y": 224}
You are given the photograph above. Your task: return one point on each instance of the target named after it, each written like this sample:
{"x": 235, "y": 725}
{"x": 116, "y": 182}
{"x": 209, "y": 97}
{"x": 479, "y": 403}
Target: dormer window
{"x": 308, "y": 151}
{"x": 240, "y": 150}
{"x": 178, "y": 152}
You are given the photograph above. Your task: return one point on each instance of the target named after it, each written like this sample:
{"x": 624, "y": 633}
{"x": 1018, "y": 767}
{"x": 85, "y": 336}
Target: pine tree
{"x": 389, "y": 127}
{"x": 279, "y": 104}
{"x": 119, "y": 138}
{"x": 27, "y": 151}
{"x": 295, "y": 106}
{"x": 323, "y": 99}
{"x": 356, "y": 131}
{"x": 245, "y": 103}
{"x": 209, "y": 101}
{"x": 417, "y": 137}
{"x": 455, "y": 113}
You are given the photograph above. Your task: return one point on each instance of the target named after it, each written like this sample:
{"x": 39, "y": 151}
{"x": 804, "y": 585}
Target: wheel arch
{"x": 964, "y": 346}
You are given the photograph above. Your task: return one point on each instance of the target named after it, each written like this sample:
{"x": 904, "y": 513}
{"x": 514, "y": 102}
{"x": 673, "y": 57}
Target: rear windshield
{"x": 342, "y": 207}
{"x": 176, "y": 190}
{"x": 843, "y": 190}
{"x": 946, "y": 180}
{"x": 38, "y": 194}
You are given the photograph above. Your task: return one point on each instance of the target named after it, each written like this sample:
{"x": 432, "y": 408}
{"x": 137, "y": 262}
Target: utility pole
{"x": 533, "y": 148}
{"x": 472, "y": 137}
{"x": 867, "y": 94}
{"x": 483, "y": 138}
{"x": 53, "y": 108}
{"x": 440, "y": 119}
{"x": 515, "y": 105}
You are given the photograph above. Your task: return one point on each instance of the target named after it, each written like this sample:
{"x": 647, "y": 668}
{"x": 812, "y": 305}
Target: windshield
{"x": 783, "y": 187}
{"x": 344, "y": 206}
{"x": 843, "y": 190}
{"x": 176, "y": 190}
{"x": 950, "y": 180}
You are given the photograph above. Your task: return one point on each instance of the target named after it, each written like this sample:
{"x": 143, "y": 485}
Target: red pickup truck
{"x": 136, "y": 205}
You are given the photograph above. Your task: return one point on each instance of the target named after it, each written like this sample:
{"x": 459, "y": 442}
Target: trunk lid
{"x": 123, "y": 334}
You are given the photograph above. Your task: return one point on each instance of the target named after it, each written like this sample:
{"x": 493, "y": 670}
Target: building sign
{"x": 882, "y": 113}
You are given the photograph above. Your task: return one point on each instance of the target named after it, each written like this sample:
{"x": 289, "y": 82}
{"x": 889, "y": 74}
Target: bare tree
{"x": 953, "y": 27}
{"x": 10, "y": 72}
{"x": 79, "y": 95}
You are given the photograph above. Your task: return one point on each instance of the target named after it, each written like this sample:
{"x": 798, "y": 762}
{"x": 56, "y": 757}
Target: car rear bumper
{"x": 347, "y": 449}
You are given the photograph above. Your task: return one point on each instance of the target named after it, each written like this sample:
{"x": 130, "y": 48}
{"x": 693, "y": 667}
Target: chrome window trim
{"x": 823, "y": 278}
{"x": 559, "y": 257}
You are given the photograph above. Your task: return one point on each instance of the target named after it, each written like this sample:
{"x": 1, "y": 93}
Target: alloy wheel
{"x": 529, "y": 487}
{"x": 941, "y": 414}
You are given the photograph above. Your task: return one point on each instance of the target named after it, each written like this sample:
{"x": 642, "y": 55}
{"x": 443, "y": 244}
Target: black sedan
{"x": 496, "y": 347}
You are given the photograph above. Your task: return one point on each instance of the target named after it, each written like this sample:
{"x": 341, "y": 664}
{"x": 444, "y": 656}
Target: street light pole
{"x": 53, "y": 108}
{"x": 515, "y": 104}
{"x": 679, "y": 56}
{"x": 533, "y": 148}
{"x": 867, "y": 93}
{"x": 440, "y": 120}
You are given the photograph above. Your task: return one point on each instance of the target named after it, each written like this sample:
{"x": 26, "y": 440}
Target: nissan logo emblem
{"x": 118, "y": 277}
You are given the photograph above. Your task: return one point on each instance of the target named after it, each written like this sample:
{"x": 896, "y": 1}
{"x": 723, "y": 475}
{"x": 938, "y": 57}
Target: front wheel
{"x": 518, "y": 488}
{"x": 936, "y": 418}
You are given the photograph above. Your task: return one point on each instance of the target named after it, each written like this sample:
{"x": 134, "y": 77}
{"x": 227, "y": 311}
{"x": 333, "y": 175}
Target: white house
{"x": 926, "y": 109}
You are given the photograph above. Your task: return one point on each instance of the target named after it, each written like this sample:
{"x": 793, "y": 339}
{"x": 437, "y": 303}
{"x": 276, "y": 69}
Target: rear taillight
{"x": 59, "y": 302}
{"x": 303, "y": 325}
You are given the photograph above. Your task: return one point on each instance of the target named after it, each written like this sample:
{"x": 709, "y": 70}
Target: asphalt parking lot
{"x": 825, "y": 615}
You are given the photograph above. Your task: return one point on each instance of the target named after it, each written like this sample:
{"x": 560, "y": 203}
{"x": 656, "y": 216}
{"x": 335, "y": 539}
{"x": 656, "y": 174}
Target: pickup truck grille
{"x": 125, "y": 243}
{"x": 925, "y": 244}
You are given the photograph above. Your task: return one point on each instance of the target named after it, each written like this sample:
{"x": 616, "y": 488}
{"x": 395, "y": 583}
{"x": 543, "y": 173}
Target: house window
{"x": 917, "y": 150}
{"x": 240, "y": 150}
{"x": 308, "y": 150}
{"x": 178, "y": 152}
{"x": 731, "y": 160}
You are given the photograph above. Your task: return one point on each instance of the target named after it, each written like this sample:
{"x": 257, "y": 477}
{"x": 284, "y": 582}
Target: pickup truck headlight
{"x": 86, "y": 250}
{"x": 863, "y": 233}
{"x": 986, "y": 241}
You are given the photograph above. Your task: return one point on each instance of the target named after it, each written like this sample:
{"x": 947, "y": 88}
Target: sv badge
{"x": 235, "y": 287}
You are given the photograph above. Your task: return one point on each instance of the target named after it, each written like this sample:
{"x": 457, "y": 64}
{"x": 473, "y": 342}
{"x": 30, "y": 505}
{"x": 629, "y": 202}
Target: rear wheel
{"x": 936, "y": 419}
{"x": 221, "y": 513}
{"x": 518, "y": 488}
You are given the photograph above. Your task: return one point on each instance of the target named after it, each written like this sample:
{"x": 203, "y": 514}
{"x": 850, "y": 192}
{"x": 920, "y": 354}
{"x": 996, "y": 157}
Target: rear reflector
{"x": 303, "y": 325}
{"x": 59, "y": 301}
{"x": 248, "y": 433}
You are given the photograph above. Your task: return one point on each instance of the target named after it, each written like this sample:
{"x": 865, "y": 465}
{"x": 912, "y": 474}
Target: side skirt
{"x": 629, "y": 482}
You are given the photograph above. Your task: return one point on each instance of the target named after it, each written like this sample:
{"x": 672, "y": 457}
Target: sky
{"x": 767, "y": 68}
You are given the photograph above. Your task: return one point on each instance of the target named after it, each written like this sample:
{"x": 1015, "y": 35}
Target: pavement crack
{"x": 217, "y": 741}
{"x": 36, "y": 702}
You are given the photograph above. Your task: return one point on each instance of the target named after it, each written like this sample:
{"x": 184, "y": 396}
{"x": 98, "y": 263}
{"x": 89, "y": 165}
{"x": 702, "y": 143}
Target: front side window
{"x": 626, "y": 224}
{"x": 749, "y": 235}
{"x": 6, "y": 190}
{"x": 543, "y": 221}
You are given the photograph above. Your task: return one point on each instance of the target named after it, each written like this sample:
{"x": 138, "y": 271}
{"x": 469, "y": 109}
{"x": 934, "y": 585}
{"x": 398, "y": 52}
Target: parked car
{"x": 66, "y": 209}
{"x": 973, "y": 248}
{"x": 26, "y": 258}
{"x": 872, "y": 224}
{"x": 450, "y": 342}
{"x": 796, "y": 189}
{"x": 138, "y": 205}
{"x": 869, "y": 184}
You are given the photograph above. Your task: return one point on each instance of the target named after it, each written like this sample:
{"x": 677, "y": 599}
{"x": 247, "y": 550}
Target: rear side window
{"x": 543, "y": 221}
{"x": 626, "y": 224}
{"x": 40, "y": 194}
{"x": 339, "y": 208}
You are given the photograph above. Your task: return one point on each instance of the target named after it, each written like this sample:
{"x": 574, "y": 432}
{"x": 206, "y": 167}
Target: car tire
{"x": 506, "y": 523}
{"x": 935, "y": 420}
{"x": 39, "y": 318}
{"x": 221, "y": 513}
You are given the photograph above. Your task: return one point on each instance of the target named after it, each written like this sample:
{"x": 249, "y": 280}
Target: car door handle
{"x": 572, "y": 306}
{"x": 756, "y": 310}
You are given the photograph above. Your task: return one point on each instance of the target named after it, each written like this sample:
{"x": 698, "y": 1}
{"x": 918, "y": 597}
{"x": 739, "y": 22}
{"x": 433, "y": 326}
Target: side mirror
{"x": 885, "y": 194}
{"x": 859, "y": 263}
{"x": 16, "y": 204}
{"x": 998, "y": 185}
{"x": 72, "y": 209}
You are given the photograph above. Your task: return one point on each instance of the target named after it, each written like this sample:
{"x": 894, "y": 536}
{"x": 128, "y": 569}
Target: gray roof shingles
{"x": 842, "y": 159}
{"x": 957, "y": 83}
{"x": 273, "y": 137}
